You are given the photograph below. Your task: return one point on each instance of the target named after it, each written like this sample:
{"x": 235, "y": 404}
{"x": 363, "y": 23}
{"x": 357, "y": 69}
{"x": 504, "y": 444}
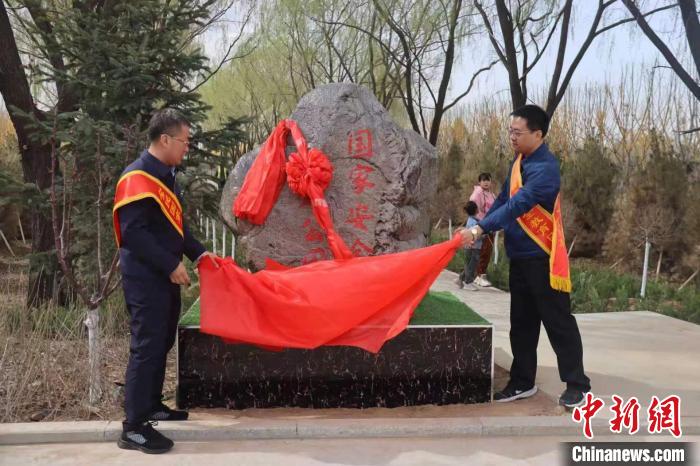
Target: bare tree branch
{"x": 471, "y": 84}
{"x": 227, "y": 56}
{"x": 665, "y": 51}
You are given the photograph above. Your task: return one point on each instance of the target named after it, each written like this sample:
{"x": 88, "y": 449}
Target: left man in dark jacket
{"x": 152, "y": 238}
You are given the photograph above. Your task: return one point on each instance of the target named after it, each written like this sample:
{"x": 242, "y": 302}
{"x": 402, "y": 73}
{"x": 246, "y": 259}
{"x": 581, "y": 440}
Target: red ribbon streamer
{"x": 355, "y": 301}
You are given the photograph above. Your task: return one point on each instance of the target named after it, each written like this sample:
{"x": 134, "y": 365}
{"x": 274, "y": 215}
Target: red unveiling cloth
{"x": 355, "y": 301}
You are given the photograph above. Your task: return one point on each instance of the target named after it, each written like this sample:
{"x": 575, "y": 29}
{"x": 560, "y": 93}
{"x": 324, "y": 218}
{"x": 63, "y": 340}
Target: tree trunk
{"x": 446, "y": 74}
{"x": 43, "y": 267}
{"x": 36, "y": 162}
{"x": 44, "y": 272}
{"x": 518, "y": 97}
{"x": 692, "y": 29}
{"x": 92, "y": 322}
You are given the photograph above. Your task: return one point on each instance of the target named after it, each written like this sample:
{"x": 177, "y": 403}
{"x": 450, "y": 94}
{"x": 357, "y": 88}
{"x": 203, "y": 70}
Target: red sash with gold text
{"x": 547, "y": 230}
{"x": 138, "y": 184}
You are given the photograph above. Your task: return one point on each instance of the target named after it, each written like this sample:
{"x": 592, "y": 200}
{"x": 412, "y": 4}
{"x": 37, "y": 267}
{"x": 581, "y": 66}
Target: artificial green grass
{"x": 444, "y": 308}
{"x": 437, "y": 308}
{"x": 191, "y": 317}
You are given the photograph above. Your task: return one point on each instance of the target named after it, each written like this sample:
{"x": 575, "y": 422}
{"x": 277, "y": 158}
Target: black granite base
{"x": 422, "y": 365}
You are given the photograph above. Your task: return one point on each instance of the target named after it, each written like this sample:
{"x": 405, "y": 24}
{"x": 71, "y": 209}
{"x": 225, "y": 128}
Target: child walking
{"x": 472, "y": 253}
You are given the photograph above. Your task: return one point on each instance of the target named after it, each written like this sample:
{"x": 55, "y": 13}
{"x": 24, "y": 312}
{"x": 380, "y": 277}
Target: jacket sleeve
{"x": 541, "y": 187}
{"x": 138, "y": 239}
{"x": 193, "y": 248}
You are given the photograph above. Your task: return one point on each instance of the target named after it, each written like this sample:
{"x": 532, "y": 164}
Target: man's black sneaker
{"x": 145, "y": 438}
{"x": 511, "y": 393}
{"x": 164, "y": 413}
{"x": 572, "y": 398}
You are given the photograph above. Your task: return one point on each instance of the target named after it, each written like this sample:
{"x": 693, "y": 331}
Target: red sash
{"x": 547, "y": 230}
{"x": 138, "y": 184}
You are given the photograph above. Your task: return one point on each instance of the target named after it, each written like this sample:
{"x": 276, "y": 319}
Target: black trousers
{"x": 154, "y": 310}
{"x": 534, "y": 301}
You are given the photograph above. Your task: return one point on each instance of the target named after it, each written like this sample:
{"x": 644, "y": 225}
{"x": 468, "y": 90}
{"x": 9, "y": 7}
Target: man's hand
{"x": 179, "y": 275}
{"x": 210, "y": 256}
{"x": 467, "y": 237}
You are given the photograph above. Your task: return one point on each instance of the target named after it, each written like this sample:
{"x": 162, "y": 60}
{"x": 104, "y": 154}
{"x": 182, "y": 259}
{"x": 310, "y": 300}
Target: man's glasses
{"x": 517, "y": 133}
{"x": 186, "y": 143}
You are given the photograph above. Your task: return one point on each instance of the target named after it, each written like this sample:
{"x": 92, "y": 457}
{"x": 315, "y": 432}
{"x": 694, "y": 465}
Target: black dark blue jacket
{"x": 541, "y": 182}
{"x": 151, "y": 247}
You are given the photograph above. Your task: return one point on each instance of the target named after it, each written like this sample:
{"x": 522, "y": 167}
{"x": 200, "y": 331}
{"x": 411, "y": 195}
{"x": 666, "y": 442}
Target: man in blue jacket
{"x": 533, "y": 300}
{"x": 152, "y": 238}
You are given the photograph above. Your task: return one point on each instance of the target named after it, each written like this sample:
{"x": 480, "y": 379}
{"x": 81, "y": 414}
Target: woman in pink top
{"x": 484, "y": 199}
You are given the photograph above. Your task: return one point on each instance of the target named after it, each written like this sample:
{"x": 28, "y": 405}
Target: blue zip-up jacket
{"x": 151, "y": 247}
{"x": 541, "y": 183}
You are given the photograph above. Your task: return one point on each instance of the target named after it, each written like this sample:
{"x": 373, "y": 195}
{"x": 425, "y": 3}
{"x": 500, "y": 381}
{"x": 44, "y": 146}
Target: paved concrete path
{"x": 625, "y": 353}
{"x": 398, "y": 451}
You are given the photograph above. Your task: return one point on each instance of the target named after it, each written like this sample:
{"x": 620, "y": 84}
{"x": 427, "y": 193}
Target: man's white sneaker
{"x": 482, "y": 281}
{"x": 471, "y": 287}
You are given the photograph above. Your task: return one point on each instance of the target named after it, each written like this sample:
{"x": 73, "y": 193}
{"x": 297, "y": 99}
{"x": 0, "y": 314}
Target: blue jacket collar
{"x": 159, "y": 168}
{"x": 543, "y": 149}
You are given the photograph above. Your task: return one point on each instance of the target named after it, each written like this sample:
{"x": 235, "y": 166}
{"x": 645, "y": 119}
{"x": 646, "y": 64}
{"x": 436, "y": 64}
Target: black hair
{"x": 165, "y": 121}
{"x": 471, "y": 208}
{"x": 486, "y": 176}
{"x": 537, "y": 119}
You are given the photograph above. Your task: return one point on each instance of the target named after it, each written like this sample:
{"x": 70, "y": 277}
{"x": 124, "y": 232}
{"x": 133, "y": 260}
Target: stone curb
{"x": 261, "y": 429}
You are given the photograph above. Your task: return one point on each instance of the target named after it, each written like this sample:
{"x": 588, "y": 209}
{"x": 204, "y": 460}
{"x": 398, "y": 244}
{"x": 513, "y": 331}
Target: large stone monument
{"x": 384, "y": 178}
{"x": 379, "y": 198}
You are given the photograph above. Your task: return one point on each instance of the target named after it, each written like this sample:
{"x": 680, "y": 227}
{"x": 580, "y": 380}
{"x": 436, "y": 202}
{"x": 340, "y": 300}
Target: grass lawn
{"x": 437, "y": 308}
{"x": 597, "y": 288}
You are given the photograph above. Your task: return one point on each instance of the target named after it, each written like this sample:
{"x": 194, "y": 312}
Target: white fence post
{"x": 213, "y": 236}
{"x": 647, "y": 248}
{"x": 21, "y": 230}
{"x": 495, "y": 249}
{"x": 449, "y": 227}
{"x": 7, "y": 243}
{"x": 223, "y": 240}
